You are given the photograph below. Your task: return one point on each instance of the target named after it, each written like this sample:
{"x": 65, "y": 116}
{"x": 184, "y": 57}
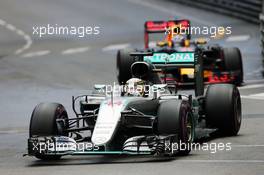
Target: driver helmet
{"x": 176, "y": 37}
{"x": 135, "y": 87}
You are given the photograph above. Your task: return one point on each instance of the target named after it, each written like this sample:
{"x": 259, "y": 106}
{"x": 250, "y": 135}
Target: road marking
{"x": 10, "y": 27}
{"x": 19, "y": 32}
{"x": 37, "y": 53}
{"x": 2, "y": 22}
{"x": 222, "y": 161}
{"x": 258, "y": 81}
{"x": 237, "y": 38}
{"x": 115, "y": 47}
{"x": 13, "y": 131}
{"x": 259, "y": 96}
{"x": 250, "y": 97}
{"x": 75, "y": 50}
{"x": 247, "y": 146}
{"x": 253, "y": 86}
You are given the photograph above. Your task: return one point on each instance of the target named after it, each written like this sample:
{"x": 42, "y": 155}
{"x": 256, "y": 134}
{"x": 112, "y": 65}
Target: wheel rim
{"x": 189, "y": 128}
{"x": 237, "y": 111}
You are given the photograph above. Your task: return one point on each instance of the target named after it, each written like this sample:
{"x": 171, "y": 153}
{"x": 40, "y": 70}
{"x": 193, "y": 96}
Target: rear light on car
{"x": 220, "y": 78}
{"x": 185, "y": 23}
{"x": 155, "y": 26}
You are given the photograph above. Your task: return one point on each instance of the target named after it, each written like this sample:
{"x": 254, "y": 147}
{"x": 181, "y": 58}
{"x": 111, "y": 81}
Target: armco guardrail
{"x": 245, "y": 9}
{"x": 261, "y": 17}
{"x": 249, "y": 10}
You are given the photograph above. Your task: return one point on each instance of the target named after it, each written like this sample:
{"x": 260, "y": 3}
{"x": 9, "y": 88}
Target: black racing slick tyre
{"x": 223, "y": 108}
{"x": 44, "y": 123}
{"x": 233, "y": 62}
{"x": 123, "y": 65}
{"x": 175, "y": 117}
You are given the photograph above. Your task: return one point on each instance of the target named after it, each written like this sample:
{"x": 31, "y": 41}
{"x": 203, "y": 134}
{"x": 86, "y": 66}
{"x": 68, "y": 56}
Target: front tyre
{"x": 175, "y": 117}
{"x": 48, "y": 119}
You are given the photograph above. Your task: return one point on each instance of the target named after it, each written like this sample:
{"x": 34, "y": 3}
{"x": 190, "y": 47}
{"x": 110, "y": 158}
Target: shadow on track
{"x": 90, "y": 160}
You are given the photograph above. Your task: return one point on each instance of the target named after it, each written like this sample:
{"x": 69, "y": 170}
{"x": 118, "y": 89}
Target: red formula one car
{"x": 221, "y": 65}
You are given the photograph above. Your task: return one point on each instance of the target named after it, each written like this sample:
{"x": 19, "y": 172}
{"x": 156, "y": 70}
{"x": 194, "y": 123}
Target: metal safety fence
{"x": 249, "y": 10}
{"x": 245, "y": 9}
{"x": 261, "y": 18}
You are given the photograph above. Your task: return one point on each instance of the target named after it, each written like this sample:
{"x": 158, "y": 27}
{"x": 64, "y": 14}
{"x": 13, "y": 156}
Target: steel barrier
{"x": 245, "y": 9}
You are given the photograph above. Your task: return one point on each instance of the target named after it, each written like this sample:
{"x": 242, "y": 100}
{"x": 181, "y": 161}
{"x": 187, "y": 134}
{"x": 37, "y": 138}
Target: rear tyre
{"x": 233, "y": 62}
{"x": 175, "y": 117}
{"x": 44, "y": 123}
{"x": 223, "y": 108}
{"x": 123, "y": 65}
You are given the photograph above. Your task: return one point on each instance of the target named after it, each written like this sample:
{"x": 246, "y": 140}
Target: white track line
{"x": 258, "y": 96}
{"x": 13, "y": 131}
{"x": 253, "y": 86}
{"x": 75, "y": 50}
{"x": 238, "y": 38}
{"x": 221, "y": 161}
{"x": 258, "y": 81}
{"x": 115, "y": 47}
{"x": 253, "y": 97}
{"x": 246, "y": 146}
{"x": 37, "y": 53}
{"x": 19, "y": 32}
{"x": 2, "y": 22}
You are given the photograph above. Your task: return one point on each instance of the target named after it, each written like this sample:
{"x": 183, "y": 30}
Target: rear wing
{"x": 176, "y": 59}
{"x": 164, "y": 61}
{"x": 163, "y": 27}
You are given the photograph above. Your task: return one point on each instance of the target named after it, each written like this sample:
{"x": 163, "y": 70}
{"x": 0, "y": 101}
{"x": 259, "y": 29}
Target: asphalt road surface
{"x": 54, "y": 67}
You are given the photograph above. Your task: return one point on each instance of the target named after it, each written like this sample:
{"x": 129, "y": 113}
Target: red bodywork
{"x": 214, "y": 78}
{"x": 164, "y": 27}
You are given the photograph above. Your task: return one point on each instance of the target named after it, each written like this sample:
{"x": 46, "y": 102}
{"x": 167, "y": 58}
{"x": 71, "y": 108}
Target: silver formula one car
{"x": 156, "y": 120}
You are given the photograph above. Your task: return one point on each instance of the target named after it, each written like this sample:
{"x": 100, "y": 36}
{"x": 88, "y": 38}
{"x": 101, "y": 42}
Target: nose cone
{"x": 99, "y": 140}
{"x": 107, "y": 122}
